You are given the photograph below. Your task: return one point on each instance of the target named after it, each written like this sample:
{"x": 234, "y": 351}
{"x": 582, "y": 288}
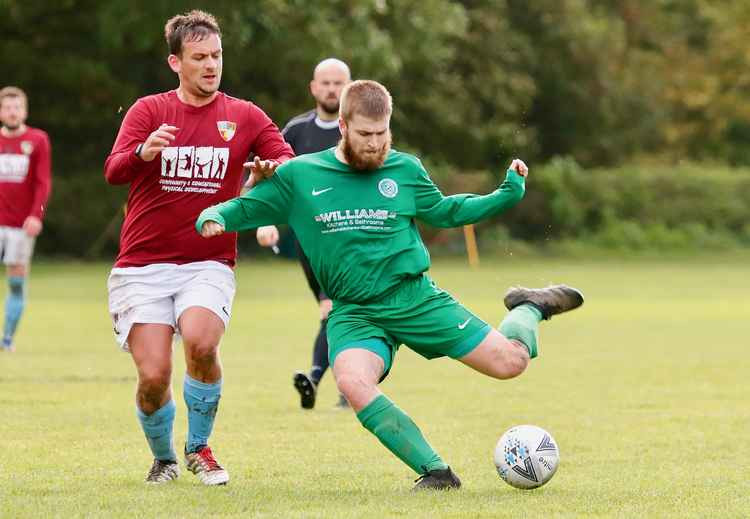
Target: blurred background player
{"x": 311, "y": 132}
{"x": 366, "y": 250}
{"x": 182, "y": 151}
{"x": 25, "y": 183}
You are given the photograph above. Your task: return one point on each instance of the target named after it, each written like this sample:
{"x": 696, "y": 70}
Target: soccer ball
{"x": 526, "y": 456}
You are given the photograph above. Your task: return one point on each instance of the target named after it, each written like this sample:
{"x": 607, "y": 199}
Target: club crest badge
{"x": 27, "y": 147}
{"x": 226, "y": 129}
{"x": 388, "y": 188}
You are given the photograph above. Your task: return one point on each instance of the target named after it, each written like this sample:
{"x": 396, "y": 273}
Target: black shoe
{"x": 440, "y": 479}
{"x": 343, "y": 403}
{"x": 552, "y": 300}
{"x": 306, "y": 388}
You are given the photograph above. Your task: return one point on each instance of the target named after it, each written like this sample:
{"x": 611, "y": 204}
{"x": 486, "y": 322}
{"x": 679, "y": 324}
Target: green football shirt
{"x": 357, "y": 227}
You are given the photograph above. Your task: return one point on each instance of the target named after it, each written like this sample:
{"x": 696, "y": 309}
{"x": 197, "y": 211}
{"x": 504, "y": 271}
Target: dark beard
{"x": 331, "y": 107}
{"x": 368, "y": 162}
{"x": 11, "y": 128}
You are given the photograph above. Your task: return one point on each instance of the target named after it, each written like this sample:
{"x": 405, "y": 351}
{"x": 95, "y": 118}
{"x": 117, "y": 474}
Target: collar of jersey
{"x": 326, "y": 125}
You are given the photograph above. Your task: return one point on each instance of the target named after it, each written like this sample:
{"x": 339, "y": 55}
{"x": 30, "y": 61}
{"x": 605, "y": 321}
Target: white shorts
{"x": 159, "y": 293}
{"x": 16, "y": 247}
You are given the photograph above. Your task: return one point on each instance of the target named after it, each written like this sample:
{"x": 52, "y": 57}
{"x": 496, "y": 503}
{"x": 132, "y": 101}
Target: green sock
{"x": 522, "y": 324}
{"x": 400, "y": 435}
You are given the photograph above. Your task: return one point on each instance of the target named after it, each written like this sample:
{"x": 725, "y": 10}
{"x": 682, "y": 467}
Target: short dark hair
{"x": 193, "y": 26}
{"x": 13, "y": 92}
{"x": 365, "y": 97}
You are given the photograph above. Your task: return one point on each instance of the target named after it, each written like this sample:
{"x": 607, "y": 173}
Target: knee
{"x": 352, "y": 384}
{"x": 511, "y": 361}
{"x": 201, "y": 349}
{"x": 153, "y": 382}
{"x": 517, "y": 359}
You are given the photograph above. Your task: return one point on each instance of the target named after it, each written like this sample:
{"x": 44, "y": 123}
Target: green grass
{"x": 645, "y": 388}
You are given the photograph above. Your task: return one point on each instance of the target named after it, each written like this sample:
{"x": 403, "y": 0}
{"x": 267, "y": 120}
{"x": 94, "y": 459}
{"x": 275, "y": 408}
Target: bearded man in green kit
{"x": 353, "y": 208}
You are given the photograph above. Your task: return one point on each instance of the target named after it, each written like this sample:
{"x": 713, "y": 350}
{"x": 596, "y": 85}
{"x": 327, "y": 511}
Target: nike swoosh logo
{"x": 465, "y": 323}
{"x": 224, "y": 309}
{"x": 316, "y": 193}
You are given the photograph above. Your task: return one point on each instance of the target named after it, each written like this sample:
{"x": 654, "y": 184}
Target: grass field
{"x": 646, "y": 389}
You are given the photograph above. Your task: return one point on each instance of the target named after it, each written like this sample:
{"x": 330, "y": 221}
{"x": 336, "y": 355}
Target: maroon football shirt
{"x": 201, "y": 167}
{"x": 25, "y": 179}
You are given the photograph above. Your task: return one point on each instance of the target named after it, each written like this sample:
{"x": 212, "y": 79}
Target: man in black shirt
{"x": 311, "y": 132}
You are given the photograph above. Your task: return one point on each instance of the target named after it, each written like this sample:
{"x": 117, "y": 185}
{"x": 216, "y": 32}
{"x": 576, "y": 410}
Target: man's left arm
{"x": 42, "y": 186}
{"x": 452, "y": 211}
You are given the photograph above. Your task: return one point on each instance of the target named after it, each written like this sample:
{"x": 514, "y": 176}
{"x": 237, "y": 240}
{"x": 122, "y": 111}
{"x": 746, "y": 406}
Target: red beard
{"x": 364, "y": 162}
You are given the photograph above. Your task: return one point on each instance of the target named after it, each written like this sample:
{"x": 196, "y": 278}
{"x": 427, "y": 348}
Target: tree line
{"x": 475, "y": 82}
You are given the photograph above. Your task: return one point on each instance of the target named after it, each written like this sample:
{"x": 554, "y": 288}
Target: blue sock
{"x": 202, "y": 401}
{"x": 13, "y": 307}
{"x": 158, "y": 430}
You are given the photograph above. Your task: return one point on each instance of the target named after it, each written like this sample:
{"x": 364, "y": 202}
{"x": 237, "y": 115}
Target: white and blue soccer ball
{"x": 526, "y": 456}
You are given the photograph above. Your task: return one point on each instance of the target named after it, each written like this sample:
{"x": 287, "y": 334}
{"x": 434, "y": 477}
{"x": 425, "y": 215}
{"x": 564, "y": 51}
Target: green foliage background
{"x": 605, "y": 83}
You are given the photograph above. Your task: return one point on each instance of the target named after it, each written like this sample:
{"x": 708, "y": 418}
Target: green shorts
{"x": 417, "y": 313}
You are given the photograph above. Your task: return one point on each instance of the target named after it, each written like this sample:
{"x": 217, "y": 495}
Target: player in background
{"x": 182, "y": 151}
{"x": 311, "y": 132}
{"x": 353, "y": 210}
{"x": 25, "y": 184}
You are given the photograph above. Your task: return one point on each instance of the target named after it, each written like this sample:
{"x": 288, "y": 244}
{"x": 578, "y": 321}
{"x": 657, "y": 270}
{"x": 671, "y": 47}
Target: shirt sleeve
{"x": 269, "y": 143}
{"x": 122, "y": 166}
{"x": 268, "y": 203}
{"x": 42, "y": 177}
{"x": 438, "y": 210}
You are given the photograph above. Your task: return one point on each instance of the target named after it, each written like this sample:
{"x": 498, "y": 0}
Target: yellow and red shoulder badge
{"x": 27, "y": 147}
{"x": 226, "y": 129}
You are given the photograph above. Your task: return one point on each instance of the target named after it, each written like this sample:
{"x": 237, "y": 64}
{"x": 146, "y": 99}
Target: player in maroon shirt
{"x": 182, "y": 151}
{"x": 25, "y": 184}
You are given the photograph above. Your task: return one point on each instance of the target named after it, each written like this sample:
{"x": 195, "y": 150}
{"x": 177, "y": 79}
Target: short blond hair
{"x": 367, "y": 98}
{"x": 13, "y": 92}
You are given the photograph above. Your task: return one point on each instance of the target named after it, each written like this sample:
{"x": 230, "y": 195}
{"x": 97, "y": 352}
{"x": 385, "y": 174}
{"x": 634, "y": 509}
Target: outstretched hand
{"x": 259, "y": 170}
{"x": 211, "y": 228}
{"x": 519, "y": 167}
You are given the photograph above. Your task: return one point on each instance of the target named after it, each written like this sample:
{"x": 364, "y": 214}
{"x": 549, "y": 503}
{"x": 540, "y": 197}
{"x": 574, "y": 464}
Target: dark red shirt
{"x": 201, "y": 167}
{"x": 25, "y": 179}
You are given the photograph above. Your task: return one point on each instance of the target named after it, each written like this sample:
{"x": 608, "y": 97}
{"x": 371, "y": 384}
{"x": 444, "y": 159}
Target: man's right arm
{"x": 266, "y": 204}
{"x": 122, "y": 165}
